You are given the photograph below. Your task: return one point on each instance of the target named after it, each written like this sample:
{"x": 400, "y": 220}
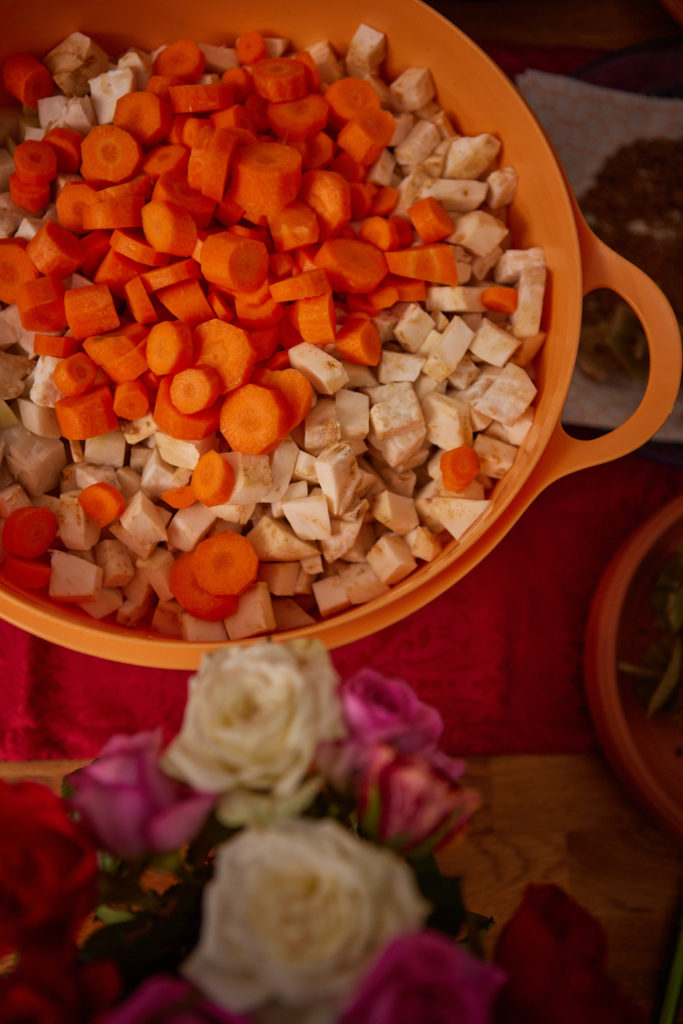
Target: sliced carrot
{"x": 179, "y": 497}
{"x": 66, "y": 143}
{"x": 352, "y": 265}
{"x": 132, "y": 243}
{"x": 227, "y": 348}
{"x": 318, "y": 152}
{"x": 193, "y": 598}
{"x": 27, "y": 79}
{"x": 41, "y": 304}
{"x": 500, "y": 297}
{"x": 362, "y": 193}
{"x": 185, "y": 129}
{"x": 219, "y": 155}
{"x": 31, "y": 574}
{"x": 302, "y": 286}
{"x": 170, "y": 158}
{"x": 236, "y": 118}
{"x": 86, "y": 415}
{"x": 182, "y": 58}
{"x": 186, "y": 301}
{"x": 431, "y": 221}
{"x": 297, "y": 390}
{"x": 409, "y": 289}
{"x": 187, "y": 427}
{"x": 315, "y": 319}
{"x": 27, "y": 195}
{"x": 367, "y": 134}
{"x": 145, "y": 115}
{"x": 108, "y": 214}
{"x": 213, "y": 479}
{"x": 358, "y": 341}
{"x": 264, "y": 340}
{"x": 170, "y": 348}
{"x": 196, "y": 388}
{"x": 234, "y": 262}
{"x": 347, "y": 95}
{"x": 265, "y": 177}
{"x": 459, "y": 467}
{"x": 254, "y": 419}
{"x": 373, "y": 302}
{"x": 200, "y": 98}
{"x": 140, "y": 186}
{"x": 160, "y": 84}
{"x": 96, "y": 245}
{"x": 36, "y": 162}
{"x": 380, "y": 232}
{"x": 434, "y": 263}
{"x": 220, "y": 305}
{"x": 251, "y": 47}
{"x": 122, "y": 356}
{"x": 312, "y": 72}
{"x": 75, "y": 374}
{"x": 102, "y": 502}
{"x": 131, "y": 400}
{"x": 173, "y": 273}
{"x": 29, "y": 531}
{"x": 348, "y": 167}
{"x": 109, "y": 154}
{"x": 300, "y": 119}
{"x": 328, "y": 194}
{"x": 384, "y": 201}
{"x": 293, "y": 226}
{"x": 16, "y": 266}
{"x": 59, "y": 345}
{"x": 198, "y": 153}
{"x": 266, "y": 313}
{"x": 281, "y": 265}
{"x": 72, "y": 202}
{"x": 116, "y": 271}
{"x": 225, "y": 563}
{"x": 280, "y": 78}
{"x": 173, "y": 189}
{"x": 169, "y": 228}
{"x": 241, "y": 81}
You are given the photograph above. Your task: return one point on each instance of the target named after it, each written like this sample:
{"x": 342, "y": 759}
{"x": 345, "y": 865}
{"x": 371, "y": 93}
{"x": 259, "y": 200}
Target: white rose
{"x": 293, "y": 916}
{"x": 253, "y": 720}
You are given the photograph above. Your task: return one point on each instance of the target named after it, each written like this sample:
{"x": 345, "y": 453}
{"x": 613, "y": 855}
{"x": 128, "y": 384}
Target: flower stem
{"x": 674, "y": 984}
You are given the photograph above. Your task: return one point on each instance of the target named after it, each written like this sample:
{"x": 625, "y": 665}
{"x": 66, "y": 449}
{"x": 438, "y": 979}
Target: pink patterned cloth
{"x": 500, "y": 653}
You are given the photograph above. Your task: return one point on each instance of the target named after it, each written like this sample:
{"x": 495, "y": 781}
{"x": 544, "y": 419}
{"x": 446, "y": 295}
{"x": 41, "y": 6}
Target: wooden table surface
{"x": 562, "y": 819}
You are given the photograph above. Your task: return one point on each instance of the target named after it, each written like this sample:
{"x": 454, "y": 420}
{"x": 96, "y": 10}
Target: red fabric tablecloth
{"x": 500, "y": 654}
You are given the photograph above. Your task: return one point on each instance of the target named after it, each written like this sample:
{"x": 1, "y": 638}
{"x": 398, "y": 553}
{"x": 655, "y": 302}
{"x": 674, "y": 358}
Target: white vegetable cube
{"x": 196, "y": 630}
{"x": 138, "y": 601}
{"x": 399, "y": 366}
{"x": 282, "y": 463}
{"x": 326, "y": 61}
{"x": 330, "y": 595}
{"x": 140, "y": 63}
{"x": 366, "y": 51}
{"x": 513, "y": 261}
{"x": 39, "y": 419}
{"x": 11, "y": 497}
{"x": 397, "y": 413}
{"x": 343, "y": 535}
{"x": 114, "y": 558}
{"x": 421, "y": 140}
{"x": 77, "y": 112}
{"x": 321, "y": 426}
{"x": 361, "y": 582}
{"x": 493, "y": 344}
{"x": 73, "y": 578}
{"x": 158, "y": 476}
{"x": 297, "y": 489}
{"x": 290, "y": 615}
{"x": 413, "y": 327}
{"x": 395, "y": 511}
{"x": 495, "y": 457}
{"x": 156, "y": 570}
{"x": 281, "y": 577}
{"x": 166, "y": 618}
{"x": 352, "y": 410}
{"x": 339, "y": 477}
{"x": 456, "y": 514}
{"x": 44, "y": 391}
{"x": 219, "y": 58}
{"x": 456, "y": 195}
{"x": 423, "y": 543}
{"x": 412, "y": 89}
{"x": 254, "y": 614}
{"x": 107, "y": 88}
{"x": 391, "y": 559}
{"x": 502, "y": 187}
{"x": 508, "y": 396}
{"x": 275, "y": 541}
{"x": 309, "y": 517}
{"x": 74, "y": 61}
{"x": 325, "y": 373}
{"x": 189, "y": 525}
{"x": 253, "y": 477}
{"x": 36, "y": 462}
{"x": 513, "y": 433}
{"x": 470, "y": 156}
{"x": 444, "y": 350}
{"x": 448, "y": 421}
{"x": 479, "y": 232}
{"x": 181, "y": 453}
{"x": 106, "y": 449}
{"x": 526, "y": 319}
{"x": 382, "y": 171}
{"x": 108, "y": 601}
{"x": 142, "y": 519}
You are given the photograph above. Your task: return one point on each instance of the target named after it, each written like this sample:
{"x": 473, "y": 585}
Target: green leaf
{"x": 444, "y": 893}
{"x": 669, "y": 681}
{"x": 113, "y": 915}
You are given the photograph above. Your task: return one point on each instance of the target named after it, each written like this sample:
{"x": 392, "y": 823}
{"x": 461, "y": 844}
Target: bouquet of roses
{"x": 274, "y": 864}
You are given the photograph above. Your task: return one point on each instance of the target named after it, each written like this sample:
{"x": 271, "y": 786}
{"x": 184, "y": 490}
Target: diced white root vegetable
{"x": 457, "y": 195}
{"x": 502, "y": 187}
{"x": 281, "y": 577}
{"x": 140, "y": 63}
{"x": 282, "y": 463}
{"x": 219, "y": 58}
{"x": 167, "y": 618}
{"x": 183, "y": 454}
{"x": 514, "y": 261}
{"x": 73, "y": 578}
{"x": 304, "y": 468}
{"x": 445, "y": 349}
{"x": 395, "y": 511}
{"x": 493, "y": 344}
{"x": 481, "y": 265}
{"x": 44, "y": 391}
{"x": 526, "y": 319}
{"x": 75, "y": 112}
{"x": 327, "y": 62}
{"x": 470, "y": 156}
{"x": 330, "y": 595}
{"x": 74, "y": 61}
{"x": 254, "y": 615}
{"x": 76, "y": 530}
{"x": 297, "y": 489}
{"x": 412, "y": 89}
{"x": 420, "y": 141}
{"x": 128, "y": 481}
{"x": 325, "y": 373}
{"x": 107, "y": 449}
{"x": 313, "y": 565}
{"x": 188, "y": 526}
{"x": 138, "y": 430}
{"x": 359, "y": 377}
{"x": 159, "y": 476}
{"x": 253, "y": 477}
{"x": 382, "y": 171}
{"x": 424, "y": 544}
{"x": 366, "y": 51}
{"x": 138, "y": 601}
{"x": 139, "y": 457}
{"x": 529, "y": 348}
{"x": 510, "y": 395}
{"x": 114, "y": 558}
{"x": 413, "y": 327}
{"x": 514, "y": 433}
{"x": 231, "y": 513}
{"x": 343, "y": 535}
{"x": 321, "y": 427}
{"x": 276, "y": 46}
{"x": 361, "y": 582}
{"x": 478, "y": 231}
{"x": 339, "y": 477}
{"x": 109, "y": 600}
{"x": 275, "y": 541}
{"x": 384, "y": 321}
{"x": 394, "y": 367}
{"x": 455, "y": 514}
{"x": 448, "y": 421}
{"x": 309, "y": 517}
{"x": 455, "y": 299}
{"x": 156, "y": 571}
{"x": 495, "y": 457}
{"x": 39, "y": 419}
{"x": 290, "y": 615}
{"x": 142, "y": 520}
{"x": 11, "y": 497}
{"x": 86, "y": 473}
{"x": 36, "y": 462}
{"x": 352, "y": 409}
{"x": 404, "y": 451}
{"x": 409, "y": 189}
{"x": 196, "y": 630}
{"x": 12, "y": 331}
{"x": 397, "y": 411}
{"x": 390, "y": 559}
{"x": 107, "y": 88}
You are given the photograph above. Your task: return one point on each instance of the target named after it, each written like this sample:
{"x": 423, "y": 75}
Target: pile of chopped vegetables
{"x": 266, "y": 341}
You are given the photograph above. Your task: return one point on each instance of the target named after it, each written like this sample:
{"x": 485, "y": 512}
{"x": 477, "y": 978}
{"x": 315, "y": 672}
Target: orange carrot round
{"x": 145, "y": 115}
{"x": 434, "y": 263}
{"x": 213, "y": 479}
{"x": 500, "y": 297}
{"x": 380, "y": 232}
{"x": 251, "y": 47}
{"x": 300, "y": 119}
{"x": 347, "y": 95}
{"x": 59, "y": 345}
{"x": 71, "y": 203}
{"x": 16, "y": 266}
{"x": 131, "y": 400}
{"x": 430, "y": 220}
{"x": 328, "y": 194}
{"x": 194, "y": 599}
{"x": 358, "y": 341}
{"x": 351, "y": 264}
{"x": 265, "y": 177}
{"x": 254, "y": 419}
{"x": 90, "y": 310}
{"x": 75, "y": 374}
{"x": 26, "y": 79}
{"x": 109, "y": 154}
{"x": 366, "y": 134}
{"x": 170, "y": 347}
{"x": 66, "y": 143}
{"x": 169, "y": 228}
{"x": 227, "y": 348}
{"x": 225, "y": 563}
{"x": 86, "y": 415}
{"x": 182, "y": 58}
{"x": 234, "y": 262}
{"x": 200, "y": 98}
{"x": 27, "y": 194}
{"x": 184, "y": 426}
{"x": 280, "y": 78}
{"x": 56, "y": 250}
{"x": 459, "y": 467}
{"x": 296, "y": 389}
{"x": 179, "y": 497}
{"x": 196, "y": 388}
{"x": 29, "y": 573}
{"x": 35, "y": 161}
{"x": 29, "y": 531}
{"x": 41, "y": 304}
{"x": 102, "y": 502}
{"x": 315, "y": 319}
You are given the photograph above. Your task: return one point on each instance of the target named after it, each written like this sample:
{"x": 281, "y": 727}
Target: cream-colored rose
{"x": 252, "y": 722}
{"x": 294, "y": 915}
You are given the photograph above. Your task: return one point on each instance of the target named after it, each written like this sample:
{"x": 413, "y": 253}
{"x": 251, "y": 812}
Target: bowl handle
{"x": 604, "y": 268}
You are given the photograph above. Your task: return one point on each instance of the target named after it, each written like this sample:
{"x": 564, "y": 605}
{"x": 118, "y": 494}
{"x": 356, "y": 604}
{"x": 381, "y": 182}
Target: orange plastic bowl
{"x": 480, "y": 98}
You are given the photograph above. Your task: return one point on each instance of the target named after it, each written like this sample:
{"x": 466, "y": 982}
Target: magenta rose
{"x": 555, "y": 954}
{"x": 423, "y": 976}
{"x": 413, "y": 803}
{"x": 129, "y": 805}
{"x": 168, "y": 1000}
{"x": 382, "y": 710}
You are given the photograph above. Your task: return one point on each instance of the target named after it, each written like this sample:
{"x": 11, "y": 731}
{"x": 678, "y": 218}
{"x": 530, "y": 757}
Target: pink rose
{"x": 164, "y": 999}
{"x": 555, "y": 954}
{"x": 129, "y": 805}
{"x": 413, "y": 803}
{"x": 423, "y": 976}
{"x": 382, "y": 710}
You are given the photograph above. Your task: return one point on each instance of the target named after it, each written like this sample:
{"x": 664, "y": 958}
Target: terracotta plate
{"x": 646, "y": 753}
